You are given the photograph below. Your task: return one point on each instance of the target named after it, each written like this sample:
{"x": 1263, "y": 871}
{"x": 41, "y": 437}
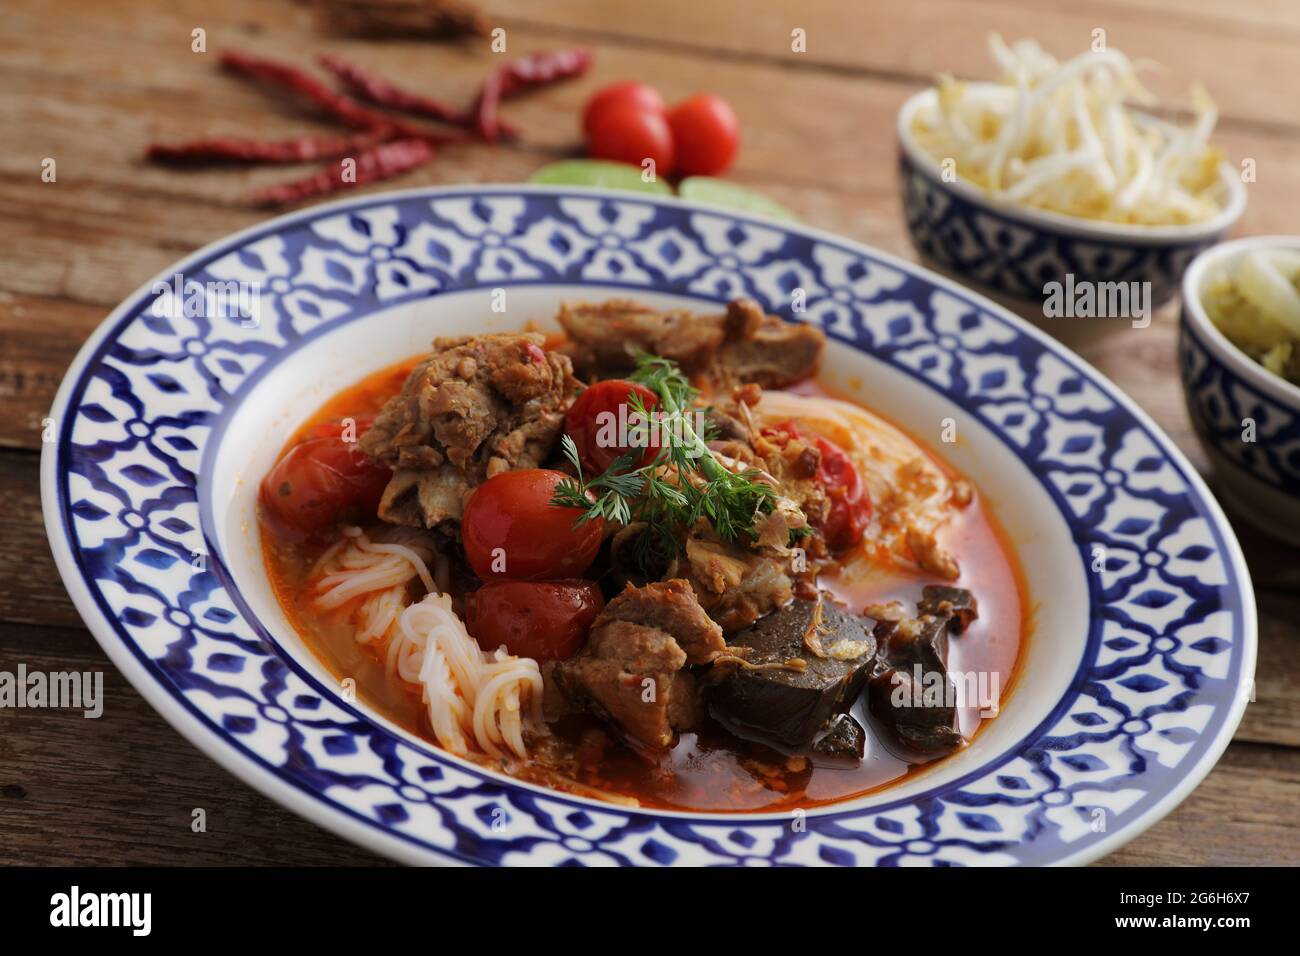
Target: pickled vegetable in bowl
{"x": 1255, "y": 302}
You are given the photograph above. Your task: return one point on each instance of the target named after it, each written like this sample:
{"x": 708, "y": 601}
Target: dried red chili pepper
{"x": 387, "y": 145}
{"x": 381, "y": 162}
{"x": 299, "y": 150}
{"x": 543, "y": 69}
{"x": 377, "y": 90}
{"x": 336, "y": 105}
{"x": 519, "y": 76}
{"x": 306, "y": 86}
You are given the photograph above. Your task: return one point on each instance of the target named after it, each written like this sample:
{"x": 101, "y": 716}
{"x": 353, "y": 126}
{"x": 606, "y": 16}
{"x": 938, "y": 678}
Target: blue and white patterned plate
{"x": 1143, "y": 647}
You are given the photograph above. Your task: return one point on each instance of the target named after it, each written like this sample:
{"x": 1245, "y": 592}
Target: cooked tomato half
{"x": 850, "y": 505}
{"x": 604, "y": 426}
{"x": 544, "y": 620}
{"x": 850, "y": 509}
{"x": 510, "y": 529}
{"x": 322, "y": 481}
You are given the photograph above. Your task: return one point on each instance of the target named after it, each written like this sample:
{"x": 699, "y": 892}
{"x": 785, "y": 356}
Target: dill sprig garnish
{"x": 684, "y": 482}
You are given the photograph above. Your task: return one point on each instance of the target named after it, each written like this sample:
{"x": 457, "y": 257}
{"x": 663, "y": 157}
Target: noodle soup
{"x": 783, "y": 601}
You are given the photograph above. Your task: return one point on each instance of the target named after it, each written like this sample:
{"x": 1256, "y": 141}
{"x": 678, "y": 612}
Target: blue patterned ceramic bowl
{"x": 1232, "y": 399}
{"x": 1017, "y": 250}
{"x": 1130, "y": 687}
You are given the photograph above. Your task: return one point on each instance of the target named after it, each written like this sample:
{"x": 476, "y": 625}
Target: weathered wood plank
{"x": 63, "y": 774}
{"x": 916, "y": 40}
{"x": 38, "y": 339}
{"x": 111, "y": 220}
{"x": 121, "y": 789}
{"x": 1274, "y": 715}
{"x": 31, "y": 591}
{"x": 1241, "y": 815}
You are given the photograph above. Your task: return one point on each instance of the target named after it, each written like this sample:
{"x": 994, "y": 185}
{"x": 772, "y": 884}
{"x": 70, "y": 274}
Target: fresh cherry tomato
{"x": 321, "y": 481}
{"x": 510, "y": 529}
{"x": 600, "y": 420}
{"x": 544, "y": 620}
{"x": 706, "y": 135}
{"x": 850, "y": 505}
{"x": 628, "y": 133}
{"x": 625, "y": 93}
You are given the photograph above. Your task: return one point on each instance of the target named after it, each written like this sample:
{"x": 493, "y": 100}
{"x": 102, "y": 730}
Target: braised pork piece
{"x": 741, "y": 346}
{"x": 634, "y": 670}
{"x": 478, "y": 406}
{"x": 650, "y": 562}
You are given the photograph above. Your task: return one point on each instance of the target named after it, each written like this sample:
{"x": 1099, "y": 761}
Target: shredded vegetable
{"x": 1062, "y": 137}
{"x": 1255, "y": 302}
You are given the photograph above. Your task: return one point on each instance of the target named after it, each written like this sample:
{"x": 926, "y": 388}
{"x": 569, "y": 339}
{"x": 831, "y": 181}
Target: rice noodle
{"x": 470, "y": 695}
{"x": 911, "y": 496}
{"x": 379, "y": 573}
{"x": 475, "y": 700}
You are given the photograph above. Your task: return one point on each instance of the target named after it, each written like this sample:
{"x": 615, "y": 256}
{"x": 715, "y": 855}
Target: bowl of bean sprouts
{"x": 1063, "y": 173}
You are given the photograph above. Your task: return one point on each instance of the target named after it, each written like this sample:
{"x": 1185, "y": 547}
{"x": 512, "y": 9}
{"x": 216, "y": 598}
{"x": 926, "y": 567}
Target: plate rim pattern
{"x": 838, "y": 832}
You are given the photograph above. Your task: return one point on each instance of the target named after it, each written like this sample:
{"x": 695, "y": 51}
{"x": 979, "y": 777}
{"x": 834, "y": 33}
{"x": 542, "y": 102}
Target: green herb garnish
{"x": 684, "y": 482}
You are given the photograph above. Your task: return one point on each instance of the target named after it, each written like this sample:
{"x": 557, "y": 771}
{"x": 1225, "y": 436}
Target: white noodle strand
{"x": 469, "y": 694}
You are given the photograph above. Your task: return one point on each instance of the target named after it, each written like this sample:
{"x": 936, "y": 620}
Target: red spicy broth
{"x": 712, "y": 770}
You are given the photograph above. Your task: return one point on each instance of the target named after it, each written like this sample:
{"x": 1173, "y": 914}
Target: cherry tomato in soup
{"x": 544, "y": 620}
{"x": 850, "y": 505}
{"x": 627, "y": 133}
{"x": 626, "y": 93}
{"x": 322, "y": 481}
{"x": 510, "y": 529}
{"x": 604, "y": 425}
{"x": 706, "y": 135}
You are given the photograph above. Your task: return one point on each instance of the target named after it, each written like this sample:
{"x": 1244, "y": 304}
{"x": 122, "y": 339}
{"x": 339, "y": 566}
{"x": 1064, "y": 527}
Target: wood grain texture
{"x": 1238, "y": 816}
{"x": 123, "y": 788}
{"x": 916, "y": 40}
{"x": 90, "y": 84}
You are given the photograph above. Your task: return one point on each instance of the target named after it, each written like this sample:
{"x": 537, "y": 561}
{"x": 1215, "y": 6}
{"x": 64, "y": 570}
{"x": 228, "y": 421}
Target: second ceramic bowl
{"x": 1247, "y": 418}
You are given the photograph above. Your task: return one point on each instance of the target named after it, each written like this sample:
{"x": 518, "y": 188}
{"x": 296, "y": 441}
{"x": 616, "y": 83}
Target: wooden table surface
{"x": 90, "y": 83}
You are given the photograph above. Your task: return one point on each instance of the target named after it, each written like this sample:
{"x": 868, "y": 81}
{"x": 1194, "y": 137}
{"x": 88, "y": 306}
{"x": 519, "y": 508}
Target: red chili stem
{"x": 231, "y": 150}
{"x": 519, "y": 76}
{"x": 381, "y": 162}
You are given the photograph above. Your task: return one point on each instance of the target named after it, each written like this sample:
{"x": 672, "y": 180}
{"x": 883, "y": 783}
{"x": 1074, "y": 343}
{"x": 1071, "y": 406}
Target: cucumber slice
{"x": 719, "y": 192}
{"x": 598, "y": 174}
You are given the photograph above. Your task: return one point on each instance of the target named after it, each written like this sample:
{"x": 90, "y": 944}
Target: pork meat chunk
{"x": 479, "y": 405}
{"x": 633, "y": 671}
{"x": 764, "y": 350}
{"x": 736, "y": 586}
{"x": 604, "y": 338}
{"x": 742, "y": 345}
